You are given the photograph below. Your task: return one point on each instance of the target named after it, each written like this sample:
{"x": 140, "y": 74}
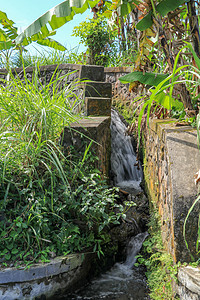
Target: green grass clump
{"x": 50, "y": 204}
{"x": 43, "y": 57}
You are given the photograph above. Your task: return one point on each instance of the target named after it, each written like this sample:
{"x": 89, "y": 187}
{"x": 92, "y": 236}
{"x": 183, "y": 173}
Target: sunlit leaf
{"x": 6, "y": 45}
{"x": 4, "y": 18}
{"x": 55, "y": 18}
{"x": 168, "y": 102}
{"x": 151, "y": 79}
{"x": 51, "y": 43}
{"x": 163, "y": 8}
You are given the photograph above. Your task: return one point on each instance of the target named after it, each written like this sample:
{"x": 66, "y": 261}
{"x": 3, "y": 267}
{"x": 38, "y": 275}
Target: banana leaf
{"x": 168, "y": 102}
{"x": 51, "y": 43}
{"x": 164, "y": 7}
{"x": 55, "y": 18}
{"x": 5, "y": 45}
{"x": 151, "y": 79}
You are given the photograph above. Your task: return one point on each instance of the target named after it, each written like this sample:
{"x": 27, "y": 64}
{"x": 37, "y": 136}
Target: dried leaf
{"x": 197, "y": 177}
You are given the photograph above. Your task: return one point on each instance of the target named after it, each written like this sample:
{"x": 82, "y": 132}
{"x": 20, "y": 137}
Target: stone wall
{"x": 74, "y": 72}
{"x": 46, "y": 73}
{"x": 172, "y": 158}
{"x": 120, "y": 90}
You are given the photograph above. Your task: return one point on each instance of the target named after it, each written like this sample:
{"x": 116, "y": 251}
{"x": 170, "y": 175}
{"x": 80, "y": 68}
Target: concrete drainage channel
{"x": 44, "y": 281}
{"x": 64, "y": 274}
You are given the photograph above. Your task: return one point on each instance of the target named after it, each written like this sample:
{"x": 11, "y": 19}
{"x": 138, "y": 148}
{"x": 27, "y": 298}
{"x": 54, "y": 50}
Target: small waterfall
{"x": 122, "y": 281}
{"x": 134, "y": 247}
{"x": 123, "y": 158}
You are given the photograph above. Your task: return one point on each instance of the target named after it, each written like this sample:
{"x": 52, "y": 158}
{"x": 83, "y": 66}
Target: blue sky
{"x": 24, "y": 12}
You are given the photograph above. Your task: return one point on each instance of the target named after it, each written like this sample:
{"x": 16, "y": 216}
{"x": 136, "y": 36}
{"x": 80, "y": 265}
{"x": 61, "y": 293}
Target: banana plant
{"x": 54, "y": 18}
{"x": 162, "y": 8}
{"x": 39, "y": 31}
{"x": 9, "y": 36}
{"x": 151, "y": 19}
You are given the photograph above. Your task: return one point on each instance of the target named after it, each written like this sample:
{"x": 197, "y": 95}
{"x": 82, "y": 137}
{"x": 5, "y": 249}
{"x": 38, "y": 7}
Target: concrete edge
{"x": 190, "y": 278}
{"x": 56, "y": 266}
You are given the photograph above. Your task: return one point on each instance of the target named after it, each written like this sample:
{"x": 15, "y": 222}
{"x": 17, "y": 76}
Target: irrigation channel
{"x": 123, "y": 281}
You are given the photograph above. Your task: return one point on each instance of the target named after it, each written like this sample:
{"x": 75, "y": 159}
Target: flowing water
{"x": 123, "y": 281}
{"x": 126, "y": 170}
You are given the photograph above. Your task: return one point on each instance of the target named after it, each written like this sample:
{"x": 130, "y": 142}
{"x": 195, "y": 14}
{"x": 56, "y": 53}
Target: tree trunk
{"x": 123, "y": 44}
{"x": 194, "y": 26}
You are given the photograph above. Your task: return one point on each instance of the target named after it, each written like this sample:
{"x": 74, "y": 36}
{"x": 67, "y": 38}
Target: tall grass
{"x": 47, "y": 57}
{"x": 32, "y": 165}
{"x": 32, "y": 118}
{"x": 49, "y": 203}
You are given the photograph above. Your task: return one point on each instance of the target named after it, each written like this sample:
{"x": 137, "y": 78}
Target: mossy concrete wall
{"x": 171, "y": 160}
{"x": 45, "y": 281}
{"x": 80, "y": 134}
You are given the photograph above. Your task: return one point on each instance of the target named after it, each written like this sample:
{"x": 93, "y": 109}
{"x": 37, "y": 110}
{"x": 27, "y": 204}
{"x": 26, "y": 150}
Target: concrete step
{"x": 97, "y": 106}
{"x": 98, "y": 89}
{"x": 93, "y": 73}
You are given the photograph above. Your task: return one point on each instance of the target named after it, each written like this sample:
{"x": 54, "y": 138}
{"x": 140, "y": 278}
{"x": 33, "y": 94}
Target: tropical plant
{"x": 99, "y": 38}
{"x": 55, "y": 18}
{"x": 50, "y": 204}
{"x": 155, "y": 22}
{"x": 9, "y": 35}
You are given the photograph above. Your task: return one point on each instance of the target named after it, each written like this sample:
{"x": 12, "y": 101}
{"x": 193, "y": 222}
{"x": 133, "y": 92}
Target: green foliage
{"x": 161, "y": 272}
{"x": 161, "y": 90}
{"x": 99, "y": 38}
{"x": 54, "y": 18}
{"x": 50, "y": 204}
{"x": 49, "y": 57}
{"x": 152, "y": 79}
{"x": 10, "y": 39}
{"x": 163, "y": 8}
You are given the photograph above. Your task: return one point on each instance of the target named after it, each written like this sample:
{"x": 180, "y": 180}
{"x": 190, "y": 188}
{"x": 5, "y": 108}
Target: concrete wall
{"x": 97, "y": 129}
{"x": 45, "y": 281}
{"x": 172, "y": 158}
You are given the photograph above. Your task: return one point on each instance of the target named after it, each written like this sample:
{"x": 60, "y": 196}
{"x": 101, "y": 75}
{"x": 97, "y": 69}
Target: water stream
{"x": 126, "y": 170}
{"x": 123, "y": 281}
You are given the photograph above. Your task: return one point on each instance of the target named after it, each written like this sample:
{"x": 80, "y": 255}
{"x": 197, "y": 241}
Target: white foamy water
{"x": 124, "y": 165}
{"x": 122, "y": 282}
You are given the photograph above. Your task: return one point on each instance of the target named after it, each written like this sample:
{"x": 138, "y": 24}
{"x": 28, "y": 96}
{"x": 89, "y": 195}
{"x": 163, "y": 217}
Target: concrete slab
{"x": 93, "y": 73}
{"x": 80, "y": 134}
{"x": 95, "y": 106}
{"x": 98, "y": 89}
{"x": 45, "y": 281}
